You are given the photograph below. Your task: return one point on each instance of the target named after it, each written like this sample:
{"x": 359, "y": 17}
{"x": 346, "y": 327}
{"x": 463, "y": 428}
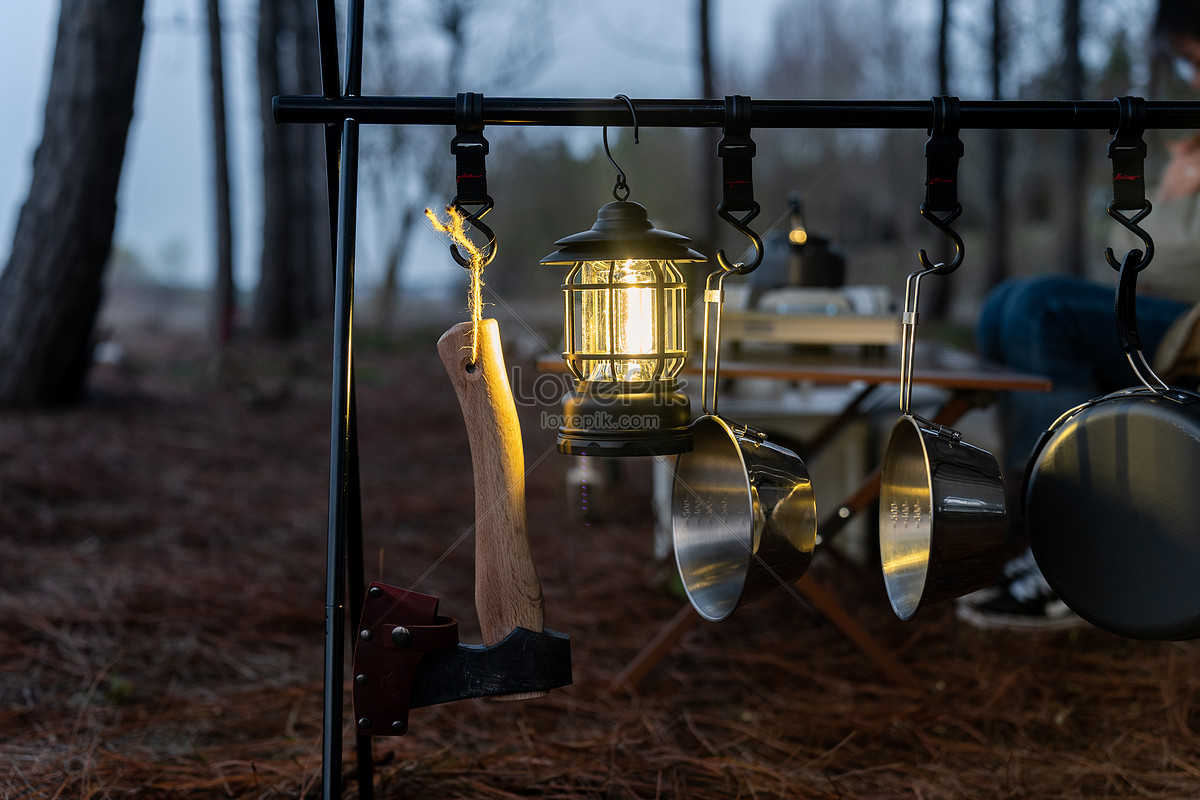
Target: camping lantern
{"x": 625, "y": 343}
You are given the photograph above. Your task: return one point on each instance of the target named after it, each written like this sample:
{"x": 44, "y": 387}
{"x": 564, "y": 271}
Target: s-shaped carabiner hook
{"x": 942, "y": 153}
{"x": 1128, "y": 153}
{"x": 470, "y": 150}
{"x": 741, "y": 225}
{"x": 1131, "y": 225}
{"x": 475, "y": 220}
{"x": 736, "y": 151}
{"x": 943, "y": 225}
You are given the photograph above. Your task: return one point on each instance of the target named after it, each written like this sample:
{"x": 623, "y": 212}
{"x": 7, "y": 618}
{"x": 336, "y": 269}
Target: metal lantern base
{"x": 613, "y": 419}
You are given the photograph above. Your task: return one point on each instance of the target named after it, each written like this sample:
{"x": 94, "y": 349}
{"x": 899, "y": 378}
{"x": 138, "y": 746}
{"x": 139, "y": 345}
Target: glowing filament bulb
{"x": 621, "y": 319}
{"x": 635, "y": 320}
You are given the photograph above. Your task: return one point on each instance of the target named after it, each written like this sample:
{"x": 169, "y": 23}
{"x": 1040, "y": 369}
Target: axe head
{"x": 407, "y": 656}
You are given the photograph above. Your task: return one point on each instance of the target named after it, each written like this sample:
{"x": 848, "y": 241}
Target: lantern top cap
{"x": 623, "y": 231}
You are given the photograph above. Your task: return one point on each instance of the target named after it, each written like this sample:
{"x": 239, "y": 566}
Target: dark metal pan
{"x": 1112, "y": 502}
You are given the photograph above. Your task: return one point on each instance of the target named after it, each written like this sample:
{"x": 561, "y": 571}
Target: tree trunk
{"x": 389, "y": 294}
{"x": 941, "y": 293}
{"x": 274, "y": 309}
{"x": 1074, "y": 149}
{"x": 51, "y": 288}
{"x": 452, "y": 19}
{"x": 998, "y": 254}
{"x": 223, "y": 290}
{"x": 308, "y": 162}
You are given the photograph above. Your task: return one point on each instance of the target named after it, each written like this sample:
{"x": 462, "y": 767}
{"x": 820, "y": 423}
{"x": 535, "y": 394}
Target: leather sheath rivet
{"x": 364, "y": 723}
{"x": 361, "y": 680}
{"x": 401, "y": 636}
{"x": 399, "y": 727}
{"x": 364, "y": 635}
{"x": 376, "y": 592}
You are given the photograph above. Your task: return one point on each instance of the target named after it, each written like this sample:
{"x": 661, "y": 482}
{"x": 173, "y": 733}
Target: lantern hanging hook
{"x": 620, "y": 188}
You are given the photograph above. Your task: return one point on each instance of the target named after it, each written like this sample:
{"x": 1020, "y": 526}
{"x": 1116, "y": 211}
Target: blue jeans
{"x": 1065, "y": 329}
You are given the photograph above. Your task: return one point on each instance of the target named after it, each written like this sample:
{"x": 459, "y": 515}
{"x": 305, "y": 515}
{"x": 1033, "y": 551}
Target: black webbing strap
{"x": 736, "y": 150}
{"x": 470, "y": 150}
{"x": 1128, "y": 153}
{"x": 942, "y": 152}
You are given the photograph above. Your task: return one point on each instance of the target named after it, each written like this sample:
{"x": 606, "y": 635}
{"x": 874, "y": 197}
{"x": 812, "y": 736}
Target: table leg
{"x": 819, "y": 601}
{"x": 833, "y": 427}
{"x": 836, "y": 615}
{"x": 666, "y": 638}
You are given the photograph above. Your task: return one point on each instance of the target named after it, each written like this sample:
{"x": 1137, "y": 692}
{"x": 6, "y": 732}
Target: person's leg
{"x": 1065, "y": 329}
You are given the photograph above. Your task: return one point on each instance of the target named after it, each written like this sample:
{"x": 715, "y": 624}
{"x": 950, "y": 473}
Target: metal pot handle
{"x": 714, "y": 298}
{"x": 908, "y": 333}
{"x": 1127, "y": 326}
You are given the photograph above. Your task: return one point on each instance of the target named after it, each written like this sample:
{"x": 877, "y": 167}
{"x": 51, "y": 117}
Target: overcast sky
{"x": 640, "y": 48}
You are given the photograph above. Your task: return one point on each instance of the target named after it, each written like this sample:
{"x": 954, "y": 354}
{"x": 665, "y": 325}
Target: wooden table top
{"x": 935, "y": 365}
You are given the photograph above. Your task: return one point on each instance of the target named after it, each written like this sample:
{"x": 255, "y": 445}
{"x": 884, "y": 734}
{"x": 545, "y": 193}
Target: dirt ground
{"x": 162, "y": 621}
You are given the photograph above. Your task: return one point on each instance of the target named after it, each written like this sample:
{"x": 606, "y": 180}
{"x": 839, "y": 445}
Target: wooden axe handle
{"x": 507, "y": 591}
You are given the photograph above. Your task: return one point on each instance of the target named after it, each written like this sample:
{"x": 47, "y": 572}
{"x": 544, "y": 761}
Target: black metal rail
{"x": 881, "y": 114}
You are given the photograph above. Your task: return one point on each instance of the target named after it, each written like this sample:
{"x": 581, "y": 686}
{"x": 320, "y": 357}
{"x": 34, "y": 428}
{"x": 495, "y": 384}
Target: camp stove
{"x": 799, "y": 296}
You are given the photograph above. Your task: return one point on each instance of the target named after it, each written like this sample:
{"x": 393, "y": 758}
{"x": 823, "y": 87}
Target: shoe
{"x": 1020, "y": 599}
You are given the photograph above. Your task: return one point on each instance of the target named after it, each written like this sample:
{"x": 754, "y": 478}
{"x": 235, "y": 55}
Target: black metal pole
{"x": 331, "y": 728}
{"x": 879, "y": 114}
{"x": 355, "y": 570}
{"x": 345, "y": 509}
{"x": 330, "y": 82}
{"x": 327, "y": 43}
{"x": 339, "y": 461}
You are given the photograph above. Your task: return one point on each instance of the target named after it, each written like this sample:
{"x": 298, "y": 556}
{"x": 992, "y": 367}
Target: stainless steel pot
{"x": 1111, "y": 504}
{"x": 942, "y": 515}
{"x": 744, "y": 515}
